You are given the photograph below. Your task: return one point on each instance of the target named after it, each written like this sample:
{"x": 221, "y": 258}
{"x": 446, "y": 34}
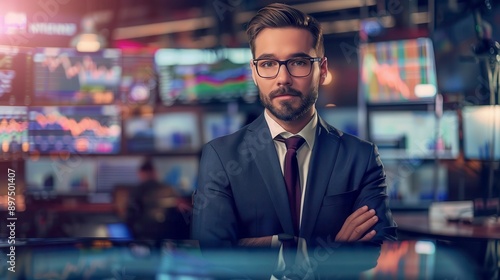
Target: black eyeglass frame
{"x": 285, "y": 62}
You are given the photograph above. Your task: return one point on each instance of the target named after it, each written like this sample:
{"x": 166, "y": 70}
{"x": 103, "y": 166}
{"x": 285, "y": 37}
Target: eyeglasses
{"x": 297, "y": 66}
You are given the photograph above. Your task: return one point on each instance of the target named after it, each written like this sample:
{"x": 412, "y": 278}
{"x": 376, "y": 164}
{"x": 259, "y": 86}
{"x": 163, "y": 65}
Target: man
{"x": 152, "y": 212}
{"x": 242, "y": 197}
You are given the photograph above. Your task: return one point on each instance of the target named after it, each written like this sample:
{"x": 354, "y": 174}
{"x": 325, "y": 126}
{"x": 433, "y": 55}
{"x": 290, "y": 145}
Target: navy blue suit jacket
{"x": 241, "y": 191}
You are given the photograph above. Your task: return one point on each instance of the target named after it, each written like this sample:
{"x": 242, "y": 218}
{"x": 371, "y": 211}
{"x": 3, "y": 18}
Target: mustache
{"x": 284, "y": 91}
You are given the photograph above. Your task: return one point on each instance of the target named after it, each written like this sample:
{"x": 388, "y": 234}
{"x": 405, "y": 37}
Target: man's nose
{"x": 284, "y": 77}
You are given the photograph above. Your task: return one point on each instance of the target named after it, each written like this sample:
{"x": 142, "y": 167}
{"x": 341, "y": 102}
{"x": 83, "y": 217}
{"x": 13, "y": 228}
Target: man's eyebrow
{"x": 300, "y": 54}
{"x": 271, "y": 56}
{"x": 266, "y": 56}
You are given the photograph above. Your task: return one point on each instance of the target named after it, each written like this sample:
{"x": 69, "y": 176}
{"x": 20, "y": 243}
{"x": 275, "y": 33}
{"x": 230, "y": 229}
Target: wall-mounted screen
{"x": 412, "y": 134}
{"x": 412, "y": 182}
{"x": 139, "y": 134}
{"x": 176, "y": 132}
{"x": 15, "y": 75}
{"x": 220, "y": 124}
{"x": 481, "y": 125}
{"x": 59, "y": 176}
{"x": 178, "y": 172}
{"x": 346, "y": 119}
{"x": 68, "y": 77}
{"x": 195, "y": 75}
{"x": 113, "y": 171}
{"x": 138, "y": 81}
{"x": 82, "y": 130}
{"x": 13, "y": 129}
{"x": 397, "y": 71}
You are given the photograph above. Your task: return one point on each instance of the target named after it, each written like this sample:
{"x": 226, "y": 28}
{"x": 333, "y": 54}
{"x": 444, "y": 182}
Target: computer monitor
{"x": 481, "y": 126}
{"x": 202, "y": 75}
{"x": 395, "y": 72}
{"x": 79, "y": 130}
{"x": 68, "y": 77}
{"x": 412, "y": 134}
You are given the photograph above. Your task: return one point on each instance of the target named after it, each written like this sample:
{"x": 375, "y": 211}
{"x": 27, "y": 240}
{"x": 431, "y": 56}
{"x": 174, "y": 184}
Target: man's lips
{"x": 285, "y": 94}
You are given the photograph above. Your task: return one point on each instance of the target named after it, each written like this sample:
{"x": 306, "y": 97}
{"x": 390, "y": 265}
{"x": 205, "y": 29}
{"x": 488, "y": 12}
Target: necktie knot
{"x": 294, "y": 142}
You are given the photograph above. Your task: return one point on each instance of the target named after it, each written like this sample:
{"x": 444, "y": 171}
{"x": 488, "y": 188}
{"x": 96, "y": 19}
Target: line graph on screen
{"x": 87, "y": 68}
{"x": 13, "y": 129}
{"x": 88, "y": 130}
{"x": 67, "y": 77}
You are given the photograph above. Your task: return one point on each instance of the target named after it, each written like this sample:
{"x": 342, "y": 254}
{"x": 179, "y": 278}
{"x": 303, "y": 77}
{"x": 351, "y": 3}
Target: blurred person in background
{"x": 152, "y": 211}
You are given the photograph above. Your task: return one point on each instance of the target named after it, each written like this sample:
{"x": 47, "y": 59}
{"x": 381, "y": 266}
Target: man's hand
{"x": 264, "y": 241}
{"x": 356, "y": 225}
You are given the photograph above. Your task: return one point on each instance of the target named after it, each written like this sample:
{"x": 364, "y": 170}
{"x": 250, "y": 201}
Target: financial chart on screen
{"x": 13, "y": 129}
{"x": 398, "y": 71}
{"x": 83, "y": 129}
{"x": 196, "y": 75}
{"x": 68, "y": 77}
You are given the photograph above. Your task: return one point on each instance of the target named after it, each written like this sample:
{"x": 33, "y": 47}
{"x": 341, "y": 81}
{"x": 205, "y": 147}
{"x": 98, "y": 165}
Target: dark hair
{"x": 147, "y": 166}
{"x": 281, "y": 15}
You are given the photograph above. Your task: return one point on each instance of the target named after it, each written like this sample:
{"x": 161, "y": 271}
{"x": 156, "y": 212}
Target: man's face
{"x": 286, "y": 97}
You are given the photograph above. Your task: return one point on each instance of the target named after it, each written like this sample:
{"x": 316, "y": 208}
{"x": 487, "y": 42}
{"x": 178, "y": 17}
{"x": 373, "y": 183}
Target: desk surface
{"x": 420, "y": 224}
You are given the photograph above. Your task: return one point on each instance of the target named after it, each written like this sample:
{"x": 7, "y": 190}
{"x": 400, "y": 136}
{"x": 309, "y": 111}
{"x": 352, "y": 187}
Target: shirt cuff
{"x": 275, "y": 242}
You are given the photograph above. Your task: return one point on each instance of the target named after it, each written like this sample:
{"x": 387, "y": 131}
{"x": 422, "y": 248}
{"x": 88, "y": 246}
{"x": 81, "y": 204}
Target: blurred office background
{"x": 88, "y": 89}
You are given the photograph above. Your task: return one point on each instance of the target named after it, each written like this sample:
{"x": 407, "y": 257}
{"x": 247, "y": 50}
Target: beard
{"x": 287, "y": 110}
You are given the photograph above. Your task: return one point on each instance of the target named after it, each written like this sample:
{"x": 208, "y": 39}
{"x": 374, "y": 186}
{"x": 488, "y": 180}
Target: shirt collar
{"x": 308, "y": 132}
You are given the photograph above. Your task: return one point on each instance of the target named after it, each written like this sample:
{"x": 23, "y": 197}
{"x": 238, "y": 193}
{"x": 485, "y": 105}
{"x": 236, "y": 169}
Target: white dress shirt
{"x": 304, "y": 159}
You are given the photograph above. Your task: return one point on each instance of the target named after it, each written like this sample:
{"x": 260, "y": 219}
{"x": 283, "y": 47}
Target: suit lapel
{"x": 270, "y": 169}
{"x": 323, "y": 158}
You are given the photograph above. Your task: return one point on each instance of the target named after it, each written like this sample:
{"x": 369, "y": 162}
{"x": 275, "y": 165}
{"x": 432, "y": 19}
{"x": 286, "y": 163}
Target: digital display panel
{"x": 345, "y": 119}
{"x": 139, "y": 134}
{"x": 398, "y": 71}
{"x": 220, "y": 124}
{"x": 412, "y": 134}
{"x": 178, "y": 172}
{"x": 15, "y": 75}
{"x": 176, "y": 131}
{"x": 61, "y": 176}
{"x": 481, "y": 125}
{"x": 138, "y": 82}
{"x": 83, "y": 129}
{"x": 68, "y": 77}
{"x": 13, "y": 129}
{"x": 195, "y": 75}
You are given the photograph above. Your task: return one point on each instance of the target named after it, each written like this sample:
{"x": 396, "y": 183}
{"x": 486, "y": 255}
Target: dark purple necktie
{"x": 292, "y": 178}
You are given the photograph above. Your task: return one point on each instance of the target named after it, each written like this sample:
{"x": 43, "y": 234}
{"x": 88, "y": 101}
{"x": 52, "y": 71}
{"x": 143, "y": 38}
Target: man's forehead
{"x": 287, "y": 42}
